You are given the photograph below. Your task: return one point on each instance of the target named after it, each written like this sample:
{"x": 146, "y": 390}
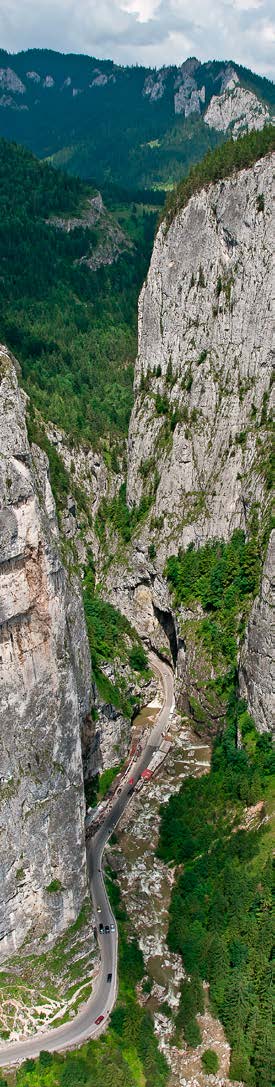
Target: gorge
{"x": 198, "y": 485}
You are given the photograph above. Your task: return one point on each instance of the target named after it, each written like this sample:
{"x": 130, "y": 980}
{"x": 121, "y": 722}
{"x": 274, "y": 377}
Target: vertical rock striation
{"x": 45, "y": 685}
{"x": 197, "y": 438}
{"x": 257, "y": 669}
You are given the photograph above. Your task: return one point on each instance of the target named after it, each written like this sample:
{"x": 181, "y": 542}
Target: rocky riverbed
{"x": 146, "y": 884}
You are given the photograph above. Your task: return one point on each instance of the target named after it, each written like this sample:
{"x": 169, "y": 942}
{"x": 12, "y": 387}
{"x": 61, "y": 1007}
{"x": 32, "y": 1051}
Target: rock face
{"x": 197, "y": 438}
{"x": 199, "y": 433}
{"x": 45, "y": 685}
{"x": 154, "y": 86}
{"x": 188, "y": 97}
{"x": 89, "y": 473}
{"x": 236, "y": 108}
{"x": 257, "y": 671}
{"x": 112, "y": 239}
{"x": 9, "y": 81}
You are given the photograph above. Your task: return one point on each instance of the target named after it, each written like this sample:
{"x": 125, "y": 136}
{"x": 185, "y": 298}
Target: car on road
{"x": 109, "y": 977}
{"x": 107, "y": 928}
{"x": 99, "y": 1019}
{"x": 112, "y": 928}
{"x": 131, "y": 781}
{"x": 131, "y": 790}
{"x": 101, "y": 928}
{"x": 98, "y": 909}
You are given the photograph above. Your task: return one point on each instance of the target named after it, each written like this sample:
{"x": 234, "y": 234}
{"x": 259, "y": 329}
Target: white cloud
{"x": 144, "y": 9}
{"x": 151, "y": 32}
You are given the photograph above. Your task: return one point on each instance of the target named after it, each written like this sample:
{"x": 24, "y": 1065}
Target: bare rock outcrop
{"x": 235, "y": 108}
{"x": 45, "y": 687}
{"x": 257, "y": 670}
{"x": 197, "y": 437}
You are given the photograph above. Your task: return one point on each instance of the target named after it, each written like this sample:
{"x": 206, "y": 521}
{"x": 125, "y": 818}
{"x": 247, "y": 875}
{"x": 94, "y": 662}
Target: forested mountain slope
{"x": 70, "y": 277}
{"x": 139, "y": 127}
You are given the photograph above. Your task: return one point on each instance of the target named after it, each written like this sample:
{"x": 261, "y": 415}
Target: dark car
{"x": 107, "y": 928}
{"x": 101, "y": 927}
{"x": 131, "y": 790}
{"x": 109, "y": 977}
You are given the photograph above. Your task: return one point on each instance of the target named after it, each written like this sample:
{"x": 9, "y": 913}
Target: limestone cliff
{"x": 257, "y": 671}
{"x": 199, "y": 437}
{"x": 235, "y": 109}
{"x": 45, "y": 667}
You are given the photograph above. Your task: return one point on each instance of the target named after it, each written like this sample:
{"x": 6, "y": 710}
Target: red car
{"x": 131, "y": 781}
{"x": 99, "y": 1019}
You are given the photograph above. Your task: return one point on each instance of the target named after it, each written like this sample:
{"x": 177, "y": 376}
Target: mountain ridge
{"x": 135, "y": 125}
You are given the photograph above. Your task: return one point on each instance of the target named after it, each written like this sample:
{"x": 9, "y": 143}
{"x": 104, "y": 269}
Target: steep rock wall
{"x": 197, "y": 436}
{"x": 236, "y": 109}
{"x": 257, "y": 670}
{"x": 45, "y": 685}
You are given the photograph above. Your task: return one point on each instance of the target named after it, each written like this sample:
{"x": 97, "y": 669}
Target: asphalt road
{"x": 103, "y": 997}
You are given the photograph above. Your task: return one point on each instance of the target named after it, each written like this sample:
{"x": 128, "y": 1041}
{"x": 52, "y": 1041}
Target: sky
{"x": 150, "y": 32}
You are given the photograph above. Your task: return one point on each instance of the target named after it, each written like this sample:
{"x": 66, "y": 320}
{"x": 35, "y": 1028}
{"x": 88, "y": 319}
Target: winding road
{"x": 103, "y": 997}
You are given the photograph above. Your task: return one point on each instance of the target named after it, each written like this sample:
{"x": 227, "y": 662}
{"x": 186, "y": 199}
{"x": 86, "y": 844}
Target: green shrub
{"x": 54, "y": 887}
{"x": 152, "y": 551}
{"x": 147, "y": 985}
{"x": 146, "y": 467}
{"x": 192, "y": 1033}
{"x": 241, "y": 438}
{"x": 45, "y": 1058}
{"x": 162, "y": 404}
{"x": 210, "y": 1062}
{"x": 191, "y": 1002}
{"x": 260, "y": 202}
{"x": 138, "y": 658}
{"x": 106, "y": 779}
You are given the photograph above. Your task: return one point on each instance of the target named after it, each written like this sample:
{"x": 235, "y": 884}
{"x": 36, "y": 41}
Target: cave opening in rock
{"x": 167, "y": 622}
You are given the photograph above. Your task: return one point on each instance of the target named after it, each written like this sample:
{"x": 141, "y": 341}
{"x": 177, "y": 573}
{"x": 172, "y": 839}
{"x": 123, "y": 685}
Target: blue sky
{"x": 151, "y": 32}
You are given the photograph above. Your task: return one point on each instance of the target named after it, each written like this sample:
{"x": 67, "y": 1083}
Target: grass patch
{"x": 55, "y": 887}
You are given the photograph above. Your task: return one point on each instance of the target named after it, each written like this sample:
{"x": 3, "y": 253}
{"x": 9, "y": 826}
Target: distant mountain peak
{"x": 135, "y": 126}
